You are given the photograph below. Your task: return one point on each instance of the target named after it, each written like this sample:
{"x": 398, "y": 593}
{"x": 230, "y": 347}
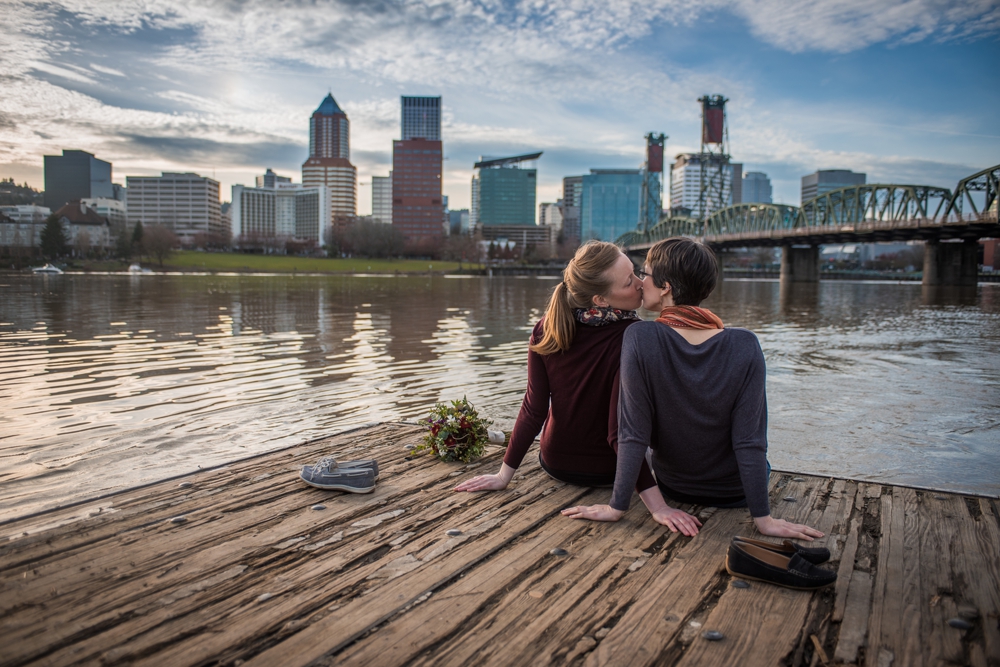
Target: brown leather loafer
{"x": 752, "y": 562}
{"x": 814, "y": 555}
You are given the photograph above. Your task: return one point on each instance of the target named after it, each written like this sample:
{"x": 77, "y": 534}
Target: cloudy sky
{"x": 904, "y": 90}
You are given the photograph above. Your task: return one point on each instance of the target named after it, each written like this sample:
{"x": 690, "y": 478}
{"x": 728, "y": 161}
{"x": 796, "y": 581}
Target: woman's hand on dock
{"x": 668, "y": 516}
{"x": 483, "y": 483}
{"x": 768, "y": 525}
{"x": 495, "y": 482}
{"x": 593, "y": 512}
{"x": 678, "y": 520}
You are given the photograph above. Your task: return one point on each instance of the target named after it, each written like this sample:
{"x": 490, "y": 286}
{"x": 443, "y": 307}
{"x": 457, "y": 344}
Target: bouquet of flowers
{"x": 457, "y": 432}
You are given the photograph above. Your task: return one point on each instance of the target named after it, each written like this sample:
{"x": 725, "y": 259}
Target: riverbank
{"x": 245, "y": 564}
{"x": 189, "y": 261}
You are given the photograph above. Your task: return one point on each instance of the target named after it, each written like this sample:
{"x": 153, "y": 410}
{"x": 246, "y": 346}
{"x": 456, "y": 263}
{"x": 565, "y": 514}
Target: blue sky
{"x": 906, "y": 91}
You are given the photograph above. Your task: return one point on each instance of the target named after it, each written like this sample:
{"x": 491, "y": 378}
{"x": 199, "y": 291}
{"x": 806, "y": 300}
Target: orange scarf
{"x": 689, "y": 317}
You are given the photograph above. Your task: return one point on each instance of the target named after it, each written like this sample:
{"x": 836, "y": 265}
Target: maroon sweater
{"x": 575, "y": 395}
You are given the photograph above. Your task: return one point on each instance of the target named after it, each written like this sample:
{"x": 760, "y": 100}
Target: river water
{"x": 110, "y": 381}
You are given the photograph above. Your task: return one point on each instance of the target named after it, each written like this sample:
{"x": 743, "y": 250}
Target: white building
{"x": 382, "y": 198}
{"x": 550, "y": 215}
{"x": 756, "y": 188}
{"x": 686, "y": 182}
{"x": 21, "y": 225}
{"x": 186, "y": 203}
{"x": 112, "y": 209}
{"x": 26, "y": 213}
{"x": 86, "y": 230}
{"x": 290, "y": 211}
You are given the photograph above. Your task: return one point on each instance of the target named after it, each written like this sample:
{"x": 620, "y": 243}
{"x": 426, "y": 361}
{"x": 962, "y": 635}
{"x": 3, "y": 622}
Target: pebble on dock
{"x": 178, "y": 519}
{"x": 798, "y": 479}
{"x": 318, "y": 507}
{"x": 739, "y": 583}
{"x": 559, "y": 551}
{"x": 789, "y": 499}
{"x": 264, "y": 596}
{"x": 453, "y": 532}
{"x": 409, "y": 447}
{"x": 959, "y": 623}
{"x": 184, "y": 485}
{"x": 712, "y": 635}
{"x": 968, "y": 612}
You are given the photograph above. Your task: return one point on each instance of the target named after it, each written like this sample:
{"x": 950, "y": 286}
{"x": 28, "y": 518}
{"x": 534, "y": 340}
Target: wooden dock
{"x": 253, "y": 576}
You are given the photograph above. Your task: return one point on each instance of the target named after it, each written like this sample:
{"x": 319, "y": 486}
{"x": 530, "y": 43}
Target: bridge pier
{"x": 800, "y": 264}
{"x": 951, "y": 264}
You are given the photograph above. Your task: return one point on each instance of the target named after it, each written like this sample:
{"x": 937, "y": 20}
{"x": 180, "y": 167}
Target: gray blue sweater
{"x": 701, "y": 408}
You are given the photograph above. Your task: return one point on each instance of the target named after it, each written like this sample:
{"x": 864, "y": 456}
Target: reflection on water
{"x": 112, "y": 381}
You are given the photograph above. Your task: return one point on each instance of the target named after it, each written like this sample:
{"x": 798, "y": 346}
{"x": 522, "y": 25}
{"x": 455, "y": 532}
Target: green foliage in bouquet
{"x": 456, "y": 432}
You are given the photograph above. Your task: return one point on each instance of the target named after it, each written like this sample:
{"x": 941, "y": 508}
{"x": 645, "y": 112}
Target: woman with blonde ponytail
{"x": 573, "y": 356}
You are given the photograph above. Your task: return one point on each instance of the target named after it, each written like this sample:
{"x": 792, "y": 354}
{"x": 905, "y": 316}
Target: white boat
{"x": 135, "y": 268}
{"x": 48, "y": 268}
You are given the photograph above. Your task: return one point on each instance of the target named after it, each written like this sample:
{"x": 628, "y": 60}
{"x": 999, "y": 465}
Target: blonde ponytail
{"x": 586, "y": 276}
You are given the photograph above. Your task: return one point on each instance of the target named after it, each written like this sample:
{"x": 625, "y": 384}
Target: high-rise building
{"x": 687, "y": 180}
{"x": 271, "y": 179}
{"x": 421, "y": 118}
{"x": 503, "y": 205}
{"x": 550, "y": 215}
{"x": 416, "y": 193}
{"x": 756, "y": 188}
{"x": 289, "y": 211}
{"x": 416, "y": 175}
{"x": 329, "y": 162}
{"x": 76, "y": 175}
{"x": 611, "y": 203}
{"x": 458, "y": 221}
{"x": 572, "y": 199}
{"x": 382, "y": 198}
{"x": 821, "y": 182}
{"x": 186, "y": 203}
{"x": 503, "y": 193}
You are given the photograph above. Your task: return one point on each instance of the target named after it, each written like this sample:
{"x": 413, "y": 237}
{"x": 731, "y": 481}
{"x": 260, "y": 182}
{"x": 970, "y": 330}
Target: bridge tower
{"x": 652, "y": 181}
{"x": 716, "y": 174}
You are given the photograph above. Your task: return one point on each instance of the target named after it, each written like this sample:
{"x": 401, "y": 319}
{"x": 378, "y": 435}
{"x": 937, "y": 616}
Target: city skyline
{"x": 192, "y": 87}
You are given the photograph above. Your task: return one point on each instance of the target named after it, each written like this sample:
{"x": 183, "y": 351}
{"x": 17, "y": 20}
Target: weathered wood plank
{"x": 764, "y": 624}
{"x": 496, "y": 610}
{"x": 855, "y": 626}
{"x": 374, "y": 579}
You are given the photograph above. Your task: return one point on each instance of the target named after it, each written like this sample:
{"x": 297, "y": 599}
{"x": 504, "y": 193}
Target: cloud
{"x": 189, "y": 84}
{"x": 806, "y": 25}
{"x": 106, "y": 70}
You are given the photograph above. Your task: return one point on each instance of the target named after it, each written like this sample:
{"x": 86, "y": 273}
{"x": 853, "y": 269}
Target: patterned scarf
{"x": 598, "y": 317}
{"x": 689, "y": 317}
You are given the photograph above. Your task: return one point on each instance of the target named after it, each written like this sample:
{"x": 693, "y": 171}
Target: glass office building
{"x": 610, "y": 203}
{"x": 504, "y": 196}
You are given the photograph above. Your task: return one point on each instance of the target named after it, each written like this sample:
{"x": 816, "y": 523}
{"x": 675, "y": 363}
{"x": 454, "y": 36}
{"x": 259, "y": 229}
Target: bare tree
{"x": 159, "y": 242}
{"x": 82, "y": 243}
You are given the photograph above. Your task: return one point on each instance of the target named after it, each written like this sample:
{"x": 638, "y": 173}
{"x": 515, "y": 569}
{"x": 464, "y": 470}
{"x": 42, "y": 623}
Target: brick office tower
{"x": 329, "y": 164}
{"x": 416, "y": 176}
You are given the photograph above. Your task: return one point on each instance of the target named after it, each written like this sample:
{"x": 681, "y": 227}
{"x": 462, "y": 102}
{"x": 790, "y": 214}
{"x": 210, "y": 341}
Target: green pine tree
{"x": 55, "y": 244}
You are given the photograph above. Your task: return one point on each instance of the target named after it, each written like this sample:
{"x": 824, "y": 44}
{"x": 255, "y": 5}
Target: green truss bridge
{"x": 950, "y": 222}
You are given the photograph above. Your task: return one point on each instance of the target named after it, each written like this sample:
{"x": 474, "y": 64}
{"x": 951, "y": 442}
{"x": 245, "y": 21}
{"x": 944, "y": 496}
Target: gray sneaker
{"x": 328, "y": 475}
{"x": 330, "y": 463}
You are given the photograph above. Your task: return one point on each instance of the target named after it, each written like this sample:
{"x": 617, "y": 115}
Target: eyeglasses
{"x": 641, "y": 275}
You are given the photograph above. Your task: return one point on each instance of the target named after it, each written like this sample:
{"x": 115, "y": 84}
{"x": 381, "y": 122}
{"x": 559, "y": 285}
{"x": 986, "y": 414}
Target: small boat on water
{"x": 48, "y": 268}
{"x": 135, "y": 268}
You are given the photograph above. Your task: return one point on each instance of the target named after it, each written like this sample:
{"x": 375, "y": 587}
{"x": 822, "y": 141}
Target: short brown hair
{"x": 690, "y": 268}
